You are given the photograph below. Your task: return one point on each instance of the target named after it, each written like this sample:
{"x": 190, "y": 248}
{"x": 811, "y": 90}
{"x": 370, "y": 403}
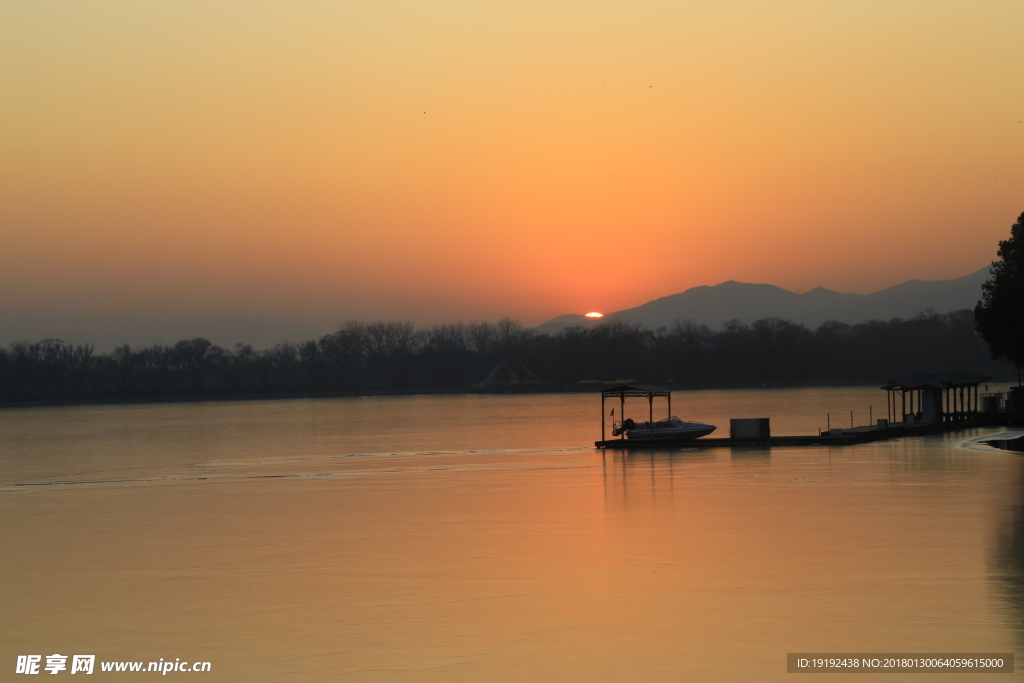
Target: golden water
{"x": 480, "y": 538}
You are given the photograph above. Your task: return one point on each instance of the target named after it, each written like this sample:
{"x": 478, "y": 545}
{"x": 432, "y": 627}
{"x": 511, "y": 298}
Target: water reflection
{"x": 940, "y": 454}
{"x": 900, "y": 461}
{"x": 647, "y": 478}
{"x": 1008, "y": 561}
{"x": 751, "y": 456}
{"x": 1009, "y": 558}
{"x": 483, "y": 539}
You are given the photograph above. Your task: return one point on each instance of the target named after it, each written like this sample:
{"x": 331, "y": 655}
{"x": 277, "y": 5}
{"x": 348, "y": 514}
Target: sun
{"x": 595, "y": 314}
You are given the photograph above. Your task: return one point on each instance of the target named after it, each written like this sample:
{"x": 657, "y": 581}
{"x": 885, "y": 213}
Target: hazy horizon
{"x": 257, "y": 330}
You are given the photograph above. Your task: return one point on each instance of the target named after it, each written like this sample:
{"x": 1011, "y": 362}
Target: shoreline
{"x": 521, "y": 388}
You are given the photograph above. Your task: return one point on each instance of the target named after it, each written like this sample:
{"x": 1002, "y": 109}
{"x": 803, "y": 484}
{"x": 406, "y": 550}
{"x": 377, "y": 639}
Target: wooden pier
{"x": 927, "y": 393}
{"x": 849, "y": 437}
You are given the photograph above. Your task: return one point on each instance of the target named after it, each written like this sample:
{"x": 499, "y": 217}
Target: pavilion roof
{"x": 931, "y": 379}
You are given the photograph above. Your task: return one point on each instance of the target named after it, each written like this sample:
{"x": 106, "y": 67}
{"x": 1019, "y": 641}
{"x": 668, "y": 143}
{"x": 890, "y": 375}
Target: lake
{"x": 483, "y": 538}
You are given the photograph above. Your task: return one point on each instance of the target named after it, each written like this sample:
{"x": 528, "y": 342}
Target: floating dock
{"x": 844, "y": 437}
{"x": 756, "y": 432}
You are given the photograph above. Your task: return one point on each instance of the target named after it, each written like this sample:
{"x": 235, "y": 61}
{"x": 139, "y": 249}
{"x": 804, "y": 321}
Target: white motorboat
{"x": 671, "y": 428}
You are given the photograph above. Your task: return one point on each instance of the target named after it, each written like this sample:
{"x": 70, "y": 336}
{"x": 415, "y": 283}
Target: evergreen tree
{"x": 999, "y": 316}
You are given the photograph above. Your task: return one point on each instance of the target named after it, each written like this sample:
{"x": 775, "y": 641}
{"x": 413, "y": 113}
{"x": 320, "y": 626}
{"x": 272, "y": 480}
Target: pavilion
{"x": 931, "y": 396}
{"x": 622, "y": 392}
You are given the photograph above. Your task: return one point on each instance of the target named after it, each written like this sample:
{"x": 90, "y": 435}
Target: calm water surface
{"x": 483, "y": 538}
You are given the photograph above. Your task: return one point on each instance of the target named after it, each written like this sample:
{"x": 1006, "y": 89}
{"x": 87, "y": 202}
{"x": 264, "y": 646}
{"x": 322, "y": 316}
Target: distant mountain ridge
{"x": 746, "y": 302}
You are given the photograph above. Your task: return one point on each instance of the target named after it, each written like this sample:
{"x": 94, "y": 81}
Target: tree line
{"x": 388, "y": 356}
{"x": 1000, "y": 313}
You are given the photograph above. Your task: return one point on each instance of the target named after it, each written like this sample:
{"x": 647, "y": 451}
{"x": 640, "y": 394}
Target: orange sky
{"x": 458, "y": 160}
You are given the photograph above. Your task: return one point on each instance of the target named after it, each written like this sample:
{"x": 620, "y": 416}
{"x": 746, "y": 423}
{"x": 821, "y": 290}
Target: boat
{"x": 669, "y": 429}
{"x": 643, "y": 434}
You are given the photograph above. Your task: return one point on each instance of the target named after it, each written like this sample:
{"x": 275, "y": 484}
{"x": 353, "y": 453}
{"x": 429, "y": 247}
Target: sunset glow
{"x": 595, "y": 315}
{"x": 401, "y": 160}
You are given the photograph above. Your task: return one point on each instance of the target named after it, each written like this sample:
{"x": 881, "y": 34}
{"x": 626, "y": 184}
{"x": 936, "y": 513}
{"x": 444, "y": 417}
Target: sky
{"x": 167, "y": 164}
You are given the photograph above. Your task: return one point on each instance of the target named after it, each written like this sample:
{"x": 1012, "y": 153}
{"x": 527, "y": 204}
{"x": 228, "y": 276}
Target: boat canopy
{"x": 634, "y": 391}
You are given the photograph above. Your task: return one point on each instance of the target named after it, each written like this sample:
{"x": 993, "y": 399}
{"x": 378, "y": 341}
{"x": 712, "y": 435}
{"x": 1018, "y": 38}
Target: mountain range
{"x": 746, "y": 302}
